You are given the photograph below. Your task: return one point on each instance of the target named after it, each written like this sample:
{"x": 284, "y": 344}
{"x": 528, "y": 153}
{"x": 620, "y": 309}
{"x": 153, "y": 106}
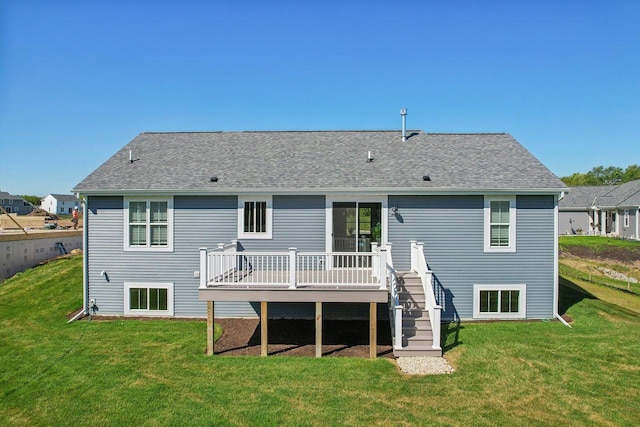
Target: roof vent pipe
{"x": 403, "y": 113}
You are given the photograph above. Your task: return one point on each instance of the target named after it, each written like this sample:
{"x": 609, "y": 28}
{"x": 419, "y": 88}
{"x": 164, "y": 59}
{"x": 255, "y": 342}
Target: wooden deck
{"x": 339, "y": 285}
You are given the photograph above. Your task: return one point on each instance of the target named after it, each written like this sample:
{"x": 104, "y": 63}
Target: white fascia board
{"x": 322, "y": 191}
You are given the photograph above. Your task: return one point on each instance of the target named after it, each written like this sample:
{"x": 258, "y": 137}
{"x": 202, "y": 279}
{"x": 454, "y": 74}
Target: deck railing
{"x": 419, "y": 265}
{"x": 224, "y": 265}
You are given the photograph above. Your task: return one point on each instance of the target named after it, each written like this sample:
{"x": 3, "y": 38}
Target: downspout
{"x": 556, "y": 279}
{"x": 85, "y": 262}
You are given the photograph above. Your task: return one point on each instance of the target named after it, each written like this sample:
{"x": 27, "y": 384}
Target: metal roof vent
{"x": 403, "y": 113}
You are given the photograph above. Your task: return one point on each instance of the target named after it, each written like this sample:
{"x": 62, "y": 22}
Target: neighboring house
{"x": 14, "y": 204}
{"x": 468, "y": 222}
{"x": 60, "y": 203}
{"x": 611, "y": 210}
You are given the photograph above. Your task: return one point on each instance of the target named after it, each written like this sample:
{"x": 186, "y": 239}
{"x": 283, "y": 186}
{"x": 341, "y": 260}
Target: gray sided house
{"x": 429, "y": 227}
{"x": 611, "y": 210}
{"x": 14, "y": 204}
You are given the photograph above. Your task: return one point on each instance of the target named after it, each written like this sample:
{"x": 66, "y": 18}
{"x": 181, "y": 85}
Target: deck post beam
{"x": 264, "y": 337}
{"x": 373, "y": 332}
{"x": 210, "y": 328}
{"x": 318, "y": 329}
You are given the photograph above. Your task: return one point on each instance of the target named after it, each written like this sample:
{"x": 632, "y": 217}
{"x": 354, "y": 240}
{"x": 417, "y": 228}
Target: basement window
{"x": 499, "y": 301}
{"x": 148, "y": 299}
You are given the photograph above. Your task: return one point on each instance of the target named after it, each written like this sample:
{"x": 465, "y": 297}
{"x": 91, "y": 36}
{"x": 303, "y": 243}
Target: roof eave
{"x": 372, "y": 190}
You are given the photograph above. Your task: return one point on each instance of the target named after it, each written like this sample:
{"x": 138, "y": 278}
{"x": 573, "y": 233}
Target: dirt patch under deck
{"x": 348, "y": 338}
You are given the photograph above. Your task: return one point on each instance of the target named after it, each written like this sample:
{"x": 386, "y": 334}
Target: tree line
{"x": 601, "y": 175}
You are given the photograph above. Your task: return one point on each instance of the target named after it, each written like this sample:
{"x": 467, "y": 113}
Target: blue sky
{"x": 80, "y": 79}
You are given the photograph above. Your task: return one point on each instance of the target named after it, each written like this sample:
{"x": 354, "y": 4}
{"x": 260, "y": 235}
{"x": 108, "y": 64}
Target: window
{"x": 148, "y": 299}
{"x": 500, "y": 224}
{"x": 254, "y": 217}
{"x": 499, "y": 301}
{"x": 148, "y": 224}
{"x": 626, "y": 218}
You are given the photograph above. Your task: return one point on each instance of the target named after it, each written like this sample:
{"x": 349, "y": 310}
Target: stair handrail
{"x": 394, "y": 301}
{"x": 419, "y": 266}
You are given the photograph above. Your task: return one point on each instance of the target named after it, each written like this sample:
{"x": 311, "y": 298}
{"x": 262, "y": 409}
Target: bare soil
{"x": 347, "y": 338}
{"x": 603, "y": 254}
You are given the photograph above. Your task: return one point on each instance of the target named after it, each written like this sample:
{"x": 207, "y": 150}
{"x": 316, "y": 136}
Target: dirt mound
{"x": 605, "y": 253}
{"x": 42, "y": 212}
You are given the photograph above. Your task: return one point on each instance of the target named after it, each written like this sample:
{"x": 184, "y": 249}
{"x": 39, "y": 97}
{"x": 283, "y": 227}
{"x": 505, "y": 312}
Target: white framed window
{"x": 626, "y": 218}
{"x": 255, "y": 217}
{"x": 148, "y": 224}
{"x": 499, "y": 301}
{"x": 500, "y": 224}
{"x": 148, "y": 299}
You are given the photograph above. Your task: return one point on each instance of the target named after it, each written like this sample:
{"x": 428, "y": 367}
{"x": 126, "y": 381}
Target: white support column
{"x": 419, "y": 254}
{"x": 204, "y": 269}
{"x": 292, "y": 267}
{"x": 374, "y": 260}
{"x": 414, "y": 255}
{"x": 382, "y": 272}
{"x": 398, "y": 327}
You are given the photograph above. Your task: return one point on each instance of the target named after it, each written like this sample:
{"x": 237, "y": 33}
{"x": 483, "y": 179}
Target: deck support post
{"x": 210, "y": 329}
{"x": 373, "y": 331}
{"x": 264, "y": 338}
{"x": 318, "y": 329}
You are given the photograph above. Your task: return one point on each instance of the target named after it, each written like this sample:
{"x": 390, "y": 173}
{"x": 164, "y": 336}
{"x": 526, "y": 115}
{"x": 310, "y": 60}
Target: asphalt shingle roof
{"x": 65, "y": 197}
{"x": 584, "y": 196}
{"x": 623, "y": 195}
{"x": 320, "y": 160}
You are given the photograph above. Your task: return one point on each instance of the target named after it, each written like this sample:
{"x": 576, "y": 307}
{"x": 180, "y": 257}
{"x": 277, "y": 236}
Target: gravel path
{"x": 424, "y": 365}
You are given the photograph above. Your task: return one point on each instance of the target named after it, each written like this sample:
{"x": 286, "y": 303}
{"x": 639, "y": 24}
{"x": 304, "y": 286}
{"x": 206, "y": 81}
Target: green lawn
{"x": 598, "y": 243}
{"x": 130, "y": 372}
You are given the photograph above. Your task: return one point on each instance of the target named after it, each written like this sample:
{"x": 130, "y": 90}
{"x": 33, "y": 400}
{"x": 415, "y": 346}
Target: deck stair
{"x": 417, "y": 334}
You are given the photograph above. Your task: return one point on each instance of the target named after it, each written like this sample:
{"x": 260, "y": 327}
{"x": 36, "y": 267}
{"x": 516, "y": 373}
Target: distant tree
{"x": 631, "y": 173}
{"x": 578, "y": 179}
{"x": 34, "y": 200}
{"x": 601, "y": 175}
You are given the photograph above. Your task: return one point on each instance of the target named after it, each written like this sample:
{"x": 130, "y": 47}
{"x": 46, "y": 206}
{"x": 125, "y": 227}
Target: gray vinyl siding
{"x": 629, "y": 232}
{"x": 452, "y": 229}
{"x": 298, "y": 222}
{"x": 570, "y": 221}
{"x": 199, "y": 221}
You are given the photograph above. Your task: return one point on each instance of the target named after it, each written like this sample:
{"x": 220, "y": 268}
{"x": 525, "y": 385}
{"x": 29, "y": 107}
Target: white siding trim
{"x": 149, "y": 285}
{"x": 522, "y": 302}
{"x": 268, "y": 234}
{"x": 512, "y": 223}
{"x": 330, "y": 198}
{"x": 125, "y": 210}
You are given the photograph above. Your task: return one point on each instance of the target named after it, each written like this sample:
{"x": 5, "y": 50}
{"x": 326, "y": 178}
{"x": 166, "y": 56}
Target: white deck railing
{"x": 224, "y": 265}
{"x": 419, "y": 265}
{"x": 395, "y": 308}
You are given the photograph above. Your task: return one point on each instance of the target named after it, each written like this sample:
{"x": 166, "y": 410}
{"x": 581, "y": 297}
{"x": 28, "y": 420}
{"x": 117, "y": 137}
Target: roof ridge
{"x": 284, "y": 131}
{"x": 466, "y": 133}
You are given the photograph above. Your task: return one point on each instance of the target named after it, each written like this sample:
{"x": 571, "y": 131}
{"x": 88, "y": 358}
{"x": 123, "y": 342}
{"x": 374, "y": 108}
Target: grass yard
{"x": 154, "y": 372}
